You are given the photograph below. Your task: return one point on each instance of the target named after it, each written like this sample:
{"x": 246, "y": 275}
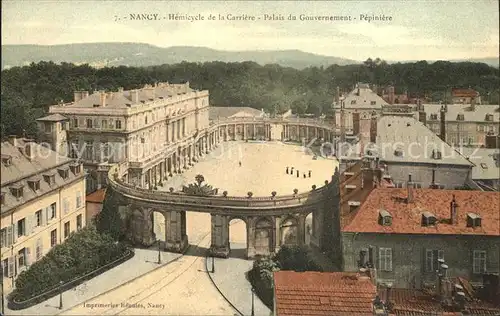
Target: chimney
{"x": 134, "y": 96}
{"x": 29, "y": 148}
{"x": 453, "y": 211}
{"x": 473, "y": 104}
{"x": 12, "y": 139}
{"x": 409, "y": 187}
{"x": 373, "y": 128}
{"x": 388, "y": 290}
{"x": 78, "y": 96}
{"x": 391, "y": 94}
{"x": 442, "y": 130}
{"x": 102, "y": 96}
{"x": 433, "y": 182}
{"x": 370, "y": 257}
{"x": 337, "y": 95}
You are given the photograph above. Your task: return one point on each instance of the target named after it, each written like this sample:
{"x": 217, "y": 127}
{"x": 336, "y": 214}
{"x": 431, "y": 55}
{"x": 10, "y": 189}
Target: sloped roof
{"x": 232, "y": 111}
{"x": 362, "y": 98}
{"x": 478, "y": 115}
{"x": 53, "y": 118}
{"x": 416, "y": 142}
{"x": 323, "y": 293}
{"x": 406, "y": 217}
{"x": 96, "y": 197}
{"x": 464, "y": 93}
{"x": 486, "y": 162}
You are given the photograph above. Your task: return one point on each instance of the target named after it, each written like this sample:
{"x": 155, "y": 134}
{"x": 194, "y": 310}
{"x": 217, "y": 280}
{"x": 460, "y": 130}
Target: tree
{"x": 109, "y": 221}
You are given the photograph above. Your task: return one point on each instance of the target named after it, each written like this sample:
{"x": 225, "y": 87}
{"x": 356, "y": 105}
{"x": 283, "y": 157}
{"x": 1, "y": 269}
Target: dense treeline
{"x": 28, "y": 91}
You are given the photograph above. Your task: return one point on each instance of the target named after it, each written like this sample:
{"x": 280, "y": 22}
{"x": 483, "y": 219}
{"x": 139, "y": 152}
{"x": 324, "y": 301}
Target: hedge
{"x": 84, "y": 251}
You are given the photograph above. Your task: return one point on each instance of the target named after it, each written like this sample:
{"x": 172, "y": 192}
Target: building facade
{"x": 42, "y": 199}
{"x": 403, "y": 232}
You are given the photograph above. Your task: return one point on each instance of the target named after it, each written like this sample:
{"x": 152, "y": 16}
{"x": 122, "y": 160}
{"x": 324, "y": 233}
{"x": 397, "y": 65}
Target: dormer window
{"x": 75, "y": 168}
{"x": 17, "y": 190}
{"x": 353, "y": 102}
{"x": 6, "y": 160}
{"x": 473, "y": 220}
{"x": 436, "y": 154}
{"x": 89, "y": 123}
{"x": 398, "y": 152}
{"x": 49, "y": 178}
{"x": 373, "y": 103}
{"x": 384, "y": 218}
{"x": 434, "y": 117}
{"x": 64, "y": 173}
{"x": 460, "y": 117}
{"x": 489, "y": 118}
{"x": 2, "y": 198}
{"x": 484, "y": 166}
{"x": 353, "y": 205}
{"x": 34, "y": 184}
{"x": 428, "y": 219}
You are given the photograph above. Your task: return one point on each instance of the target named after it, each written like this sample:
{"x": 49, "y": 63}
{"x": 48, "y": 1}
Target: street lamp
{"x": 60, "y": 294}
{"x": 253, "y": 309}
{"x": 213, "y": 264}
{"x": 159, "y": 251}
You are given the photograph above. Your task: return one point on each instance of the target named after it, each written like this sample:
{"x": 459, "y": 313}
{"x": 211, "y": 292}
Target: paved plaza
{"x": 263, "y": 169}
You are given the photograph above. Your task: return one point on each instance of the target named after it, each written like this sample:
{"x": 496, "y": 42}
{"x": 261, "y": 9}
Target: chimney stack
{"x": 473, "y": 104}
{"x": 442, "y": 130}
{"x": 391, "y": 95}
{"x": 29, "y": 148}
{"x": 433, "y": 183}
{"x": 12, "y": 139}
{"x": 102, "y": 96}
{"x": 77, "y": 96}
{"x": 409, "y": 187}
{"x": 134, "y": 96}
{"x": 373, "y": 128}
{"x": 388, "y": 290}
{"x": 453, "y": 211}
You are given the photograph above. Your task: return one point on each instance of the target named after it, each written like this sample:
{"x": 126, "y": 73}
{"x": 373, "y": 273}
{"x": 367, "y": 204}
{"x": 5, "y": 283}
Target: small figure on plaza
{"x": 240, "y": 163}
{"x": 286, "y": 170}
{"x": 298, "y": 173}
{"x": 291, "y": 171}
{"x": 304, "y": 175}
{"x": 310, "y": 173}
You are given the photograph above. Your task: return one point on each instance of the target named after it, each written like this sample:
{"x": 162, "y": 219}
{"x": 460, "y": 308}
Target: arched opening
{"x": 289, "y": 232}
{"x": 158, "y": 226}
{"x": 238, "y": 238}
{"x": 308, "y": 229}
{"x": 263, "y": 237}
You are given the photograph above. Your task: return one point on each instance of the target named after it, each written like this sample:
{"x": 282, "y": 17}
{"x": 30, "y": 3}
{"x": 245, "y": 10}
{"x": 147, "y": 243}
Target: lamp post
{"x": 159, "y": 251}
{"x": 253, "y": 294}
{"x": 213, "y": 264}
{"x": 60, "y": 294}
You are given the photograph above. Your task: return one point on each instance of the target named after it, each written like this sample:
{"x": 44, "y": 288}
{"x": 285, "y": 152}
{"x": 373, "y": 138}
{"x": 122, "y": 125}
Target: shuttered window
{"x": 385, "y": 259}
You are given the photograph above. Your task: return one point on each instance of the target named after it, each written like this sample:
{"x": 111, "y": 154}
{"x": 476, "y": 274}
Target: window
{"x": 104, "y": 124}
{"x": 65, "y": 205}
{"x": 6, "y": 160}
{"x": 79, "y": 222}
{"x": 66, "y": 230}
{"x": 145, "y": 119}
{"x": 460, "y": 117}
{"x": 436, "y": 154}
{"x": 21, "y": 258}
{"x": 39, "y": 249}
{"x": 73, "y": 150}
{"x": 64, "y": 173}
{"x": 398, "y": 153}
{"x": 21, "y": 227}
{"x": 473, "y": 220}
{"x": 3, "y": 237}
{"x": 89, "y": 123}
{"x": 431, "y": 259}
{"x": 385, "y": 218}
{"x": 428, "y": 219}
{"x": 373, "y": 102}
{"x": 38, "y": 216}
{"x": 385, "y": 259}
{"x": 17, "y": 191}
{"x": 353, "y": 101}
{"x": 47, "y": 127}
{"x": 118, "y": 124}
{"x": 52, "y": 211}
{"x": 399, "y": 185}
{"x": 34, "y": 185}
{"x": 75, "y": 122}
{"x": 484, "y": 166}
{"x": 5, "y": 267}
{"x": 64, "y": 126}
{"x": 479, "y": 262}
{"x": 53, "y": 238}
{"x": 78, "y": 199}
{"x": 89, "y": 150}
{"x": 434, "y": 117}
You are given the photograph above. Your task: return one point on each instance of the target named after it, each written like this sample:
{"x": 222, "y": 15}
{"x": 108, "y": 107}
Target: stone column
{"x": 307, "y": 133}
{"x": 251, "y": 237}
{"x": 175, "y": 231}
{"x": 254, "y": 136}
{"x": 225, "y": 134}
{"x": 219, "y": 246}
{"x": 244, "y": 132}
{"x": 277, "y": 235}
{"x": 301, "y": 229}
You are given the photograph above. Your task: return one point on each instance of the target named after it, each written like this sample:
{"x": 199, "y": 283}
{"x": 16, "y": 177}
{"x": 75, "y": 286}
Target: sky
{"x": 418, "y": 29}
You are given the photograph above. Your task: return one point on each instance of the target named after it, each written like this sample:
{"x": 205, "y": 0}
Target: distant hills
{"x": 138, "y": 54}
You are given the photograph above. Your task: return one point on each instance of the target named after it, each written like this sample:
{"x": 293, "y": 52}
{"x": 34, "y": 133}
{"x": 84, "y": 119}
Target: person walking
{"x": 298, "y": 174}
{"x": 291, "y": 171}
{"x": 286, "y": 170}
{"x": 310, "y": 173}
{"x": 240, "y": 163}
{"x": 304, "y": 175}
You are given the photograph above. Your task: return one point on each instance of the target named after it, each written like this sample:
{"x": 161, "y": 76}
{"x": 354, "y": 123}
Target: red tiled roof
{"x": 96, "y": 197}
{"x": 464, "y": 93}
{"x": 407, "y": 217}
{"x": 322, "y": 293}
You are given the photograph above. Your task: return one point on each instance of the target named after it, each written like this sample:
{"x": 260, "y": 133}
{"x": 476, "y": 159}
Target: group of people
{"x": 290, "y": 171}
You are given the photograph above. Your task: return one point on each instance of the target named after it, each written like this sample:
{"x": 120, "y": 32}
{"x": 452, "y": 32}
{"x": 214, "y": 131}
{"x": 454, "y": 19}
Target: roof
{"x": 406, "y": 217}
{"x": 22, "y": 167}
{"x": 415, "y": 141}
{"x": 53, "y": 118}
{"x": 124, "y": 99}
{"x": 322, "y": 293}
{"x": 478, "y": 115}
{"x": 464, "y": 93}
{"x": 216, "y": 112}
{"x": 486, "y": 162}
{"x": 96, "y": 197}
{"x": 363, "y": 99}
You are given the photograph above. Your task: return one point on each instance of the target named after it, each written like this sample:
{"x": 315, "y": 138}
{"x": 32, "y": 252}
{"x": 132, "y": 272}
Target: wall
{"x": 408, "y": 253}
{"x": 92, "y": 209}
